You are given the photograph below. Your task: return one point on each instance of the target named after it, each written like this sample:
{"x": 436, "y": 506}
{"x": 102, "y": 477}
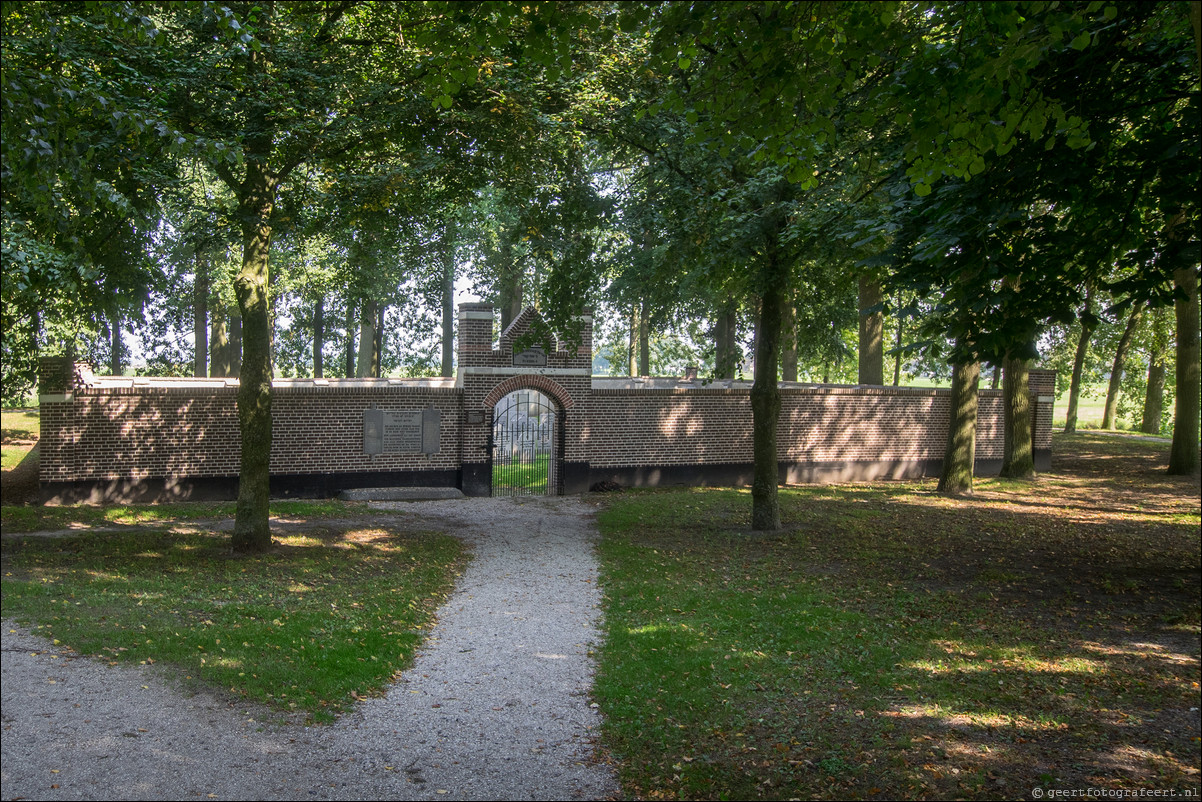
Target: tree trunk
{"x": 252, "y": 531}
{"x": 788, "y": 350}
{"x": 1157, "y": 358}
{"x": 219, "y": 344}
{"x": 448, "y": 299}
{"x": 1088, "y": 324}
{"x": 897, "y": 361}
{"x": 960, "y": 454}
{"x": 367, "y": 338}
{"x": 319, "y": 338}
{"x": 1116, "y": 371}
{"x": 725, "y": 338}
{"x": 644, "y": 342}
{"x": 377, "y": 346}
{"x": 1018, "y": 459}
{"x": 200, "y": 318}
{"x": 997, "y": 377}
{"x": 872, "y": 333}
{"x": 511, "y": 286}
{"x": 348, "y": 368}
{"x": 115, "y": 345}
{"x": 235, "y": 346}
{"x": 632, "y": 344}
{"x": 765, "y": 400}
{"x": 1183, "y": 456}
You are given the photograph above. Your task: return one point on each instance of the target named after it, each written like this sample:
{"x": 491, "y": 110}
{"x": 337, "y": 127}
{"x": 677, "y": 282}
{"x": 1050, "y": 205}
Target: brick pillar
{"x": 584, "y": 354}
{"x": 58, "y": 379}
{"x": 56, "y": 375}
{"x": 1042, "y": 386}
{"x": 475, "y": 334}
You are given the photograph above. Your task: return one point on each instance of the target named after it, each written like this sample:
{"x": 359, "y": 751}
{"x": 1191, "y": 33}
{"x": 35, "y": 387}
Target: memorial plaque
{"x": 431, "y": 426}
{"x": 373, "y": 431}
{"x": 401, "y": 432}
{"x": 530, "y": 358}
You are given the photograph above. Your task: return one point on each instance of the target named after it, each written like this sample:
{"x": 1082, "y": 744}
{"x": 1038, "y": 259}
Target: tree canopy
{"x": 768, "y": 175}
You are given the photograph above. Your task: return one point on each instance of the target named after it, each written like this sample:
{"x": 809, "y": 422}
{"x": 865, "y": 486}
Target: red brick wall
{"x": 191, "y": 429}
{"x": 817, "y": 424}
{"x": 118, "y": 429}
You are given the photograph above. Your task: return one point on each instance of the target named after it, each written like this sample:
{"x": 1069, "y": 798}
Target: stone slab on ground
{"x": 400, "y": 493}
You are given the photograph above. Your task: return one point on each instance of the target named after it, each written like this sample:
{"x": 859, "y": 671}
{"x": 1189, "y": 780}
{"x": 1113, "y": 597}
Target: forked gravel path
{"x": 496, "y": 706}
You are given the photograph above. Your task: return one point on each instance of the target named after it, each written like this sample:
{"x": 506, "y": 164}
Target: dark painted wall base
{"x": 741, "y": 474}
{"x": 475, "y": 479}
{"x": 576, "y": 477}
{"x": 225, "y": 488}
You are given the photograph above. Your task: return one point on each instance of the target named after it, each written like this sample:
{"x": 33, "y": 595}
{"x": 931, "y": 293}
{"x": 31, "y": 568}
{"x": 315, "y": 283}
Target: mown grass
{"x": 898, "y": 644}
{"x": 19, "y": 431}
{"x": 522, "y": 475}
{"x": 49, "y": 519}
{"x": 325, "y": 618}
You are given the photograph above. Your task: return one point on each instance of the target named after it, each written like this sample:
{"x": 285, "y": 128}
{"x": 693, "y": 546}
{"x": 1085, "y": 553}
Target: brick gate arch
{"x": 528, "y": 382}
{"x": 487, "y": 373}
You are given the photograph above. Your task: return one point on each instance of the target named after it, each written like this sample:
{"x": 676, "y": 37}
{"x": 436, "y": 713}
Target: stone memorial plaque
{"x": 530, "y": 358}
{"x": 373, "y": 431}
{"x": 431, "y": 427}
{"x": 401, "y": 432}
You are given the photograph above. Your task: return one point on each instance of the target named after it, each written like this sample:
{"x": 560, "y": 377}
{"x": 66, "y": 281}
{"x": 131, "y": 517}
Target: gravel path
{"x": 496, "y": 706}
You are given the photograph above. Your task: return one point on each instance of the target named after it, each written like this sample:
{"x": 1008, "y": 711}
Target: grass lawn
{"x": 330, "y": 615}
{"x": 1091, "y": 406}
{"x": 522, "y": 477}
{"x": 115, "y": 516}
{"x": 894, "y": 643}
{"x": 20, "y": 429}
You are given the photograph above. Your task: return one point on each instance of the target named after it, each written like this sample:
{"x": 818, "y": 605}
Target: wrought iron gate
{"x": 527, "y": 445}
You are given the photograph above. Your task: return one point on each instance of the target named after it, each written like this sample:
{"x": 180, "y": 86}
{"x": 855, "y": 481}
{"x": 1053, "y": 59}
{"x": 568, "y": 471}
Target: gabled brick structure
{"x": 487, "y": 374}
{"x": 117, "y": 438}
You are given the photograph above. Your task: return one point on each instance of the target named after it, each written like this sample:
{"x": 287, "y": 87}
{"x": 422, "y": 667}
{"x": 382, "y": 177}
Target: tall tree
{"x": 1157, "y": 359}
{"x": 311, "y": 84}
{"x": 447, "y": 297}
{"x": 1088, "y": 322}
{"x": 1110, "y": 412}
{"x": 872, "y": 332}
{"x": 1018, "y": 458}
{"x": 956, "y": 476}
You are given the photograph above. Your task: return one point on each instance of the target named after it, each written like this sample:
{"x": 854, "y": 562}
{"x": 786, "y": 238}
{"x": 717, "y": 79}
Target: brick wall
{"x": 118, "y": 437}
{"x": 885, "y": 430}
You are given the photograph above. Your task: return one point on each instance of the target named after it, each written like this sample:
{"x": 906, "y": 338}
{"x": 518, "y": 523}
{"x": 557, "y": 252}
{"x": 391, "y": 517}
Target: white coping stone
{"x": 528, "y": 371}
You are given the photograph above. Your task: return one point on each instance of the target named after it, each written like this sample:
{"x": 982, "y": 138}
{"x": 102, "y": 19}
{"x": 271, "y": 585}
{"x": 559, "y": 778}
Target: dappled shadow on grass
{"x": 194, "y": 514}
{"x": 897, "y": 643}
{"x": 326, "y": 616}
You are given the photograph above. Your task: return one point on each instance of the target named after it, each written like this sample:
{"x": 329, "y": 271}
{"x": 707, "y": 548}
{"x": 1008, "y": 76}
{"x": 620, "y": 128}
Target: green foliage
{"x": 86, "y": 148}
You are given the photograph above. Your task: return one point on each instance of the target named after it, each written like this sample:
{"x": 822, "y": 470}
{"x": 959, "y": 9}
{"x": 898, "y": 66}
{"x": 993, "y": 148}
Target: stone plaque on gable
{"x": 401, "y": 432}
{"x": 530, "y": 358}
